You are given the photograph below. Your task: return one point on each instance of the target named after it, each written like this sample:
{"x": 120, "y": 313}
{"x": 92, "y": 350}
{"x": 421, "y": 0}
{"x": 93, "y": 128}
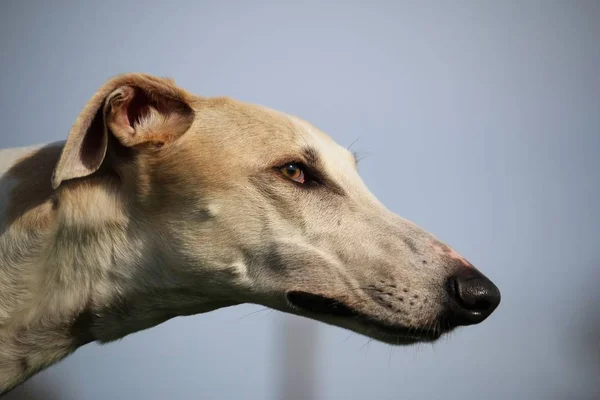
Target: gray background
{"x": 478, "y": 120}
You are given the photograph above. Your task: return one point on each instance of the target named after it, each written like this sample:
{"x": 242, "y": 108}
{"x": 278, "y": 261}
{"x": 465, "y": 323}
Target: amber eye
{"x": 294, "y": 172}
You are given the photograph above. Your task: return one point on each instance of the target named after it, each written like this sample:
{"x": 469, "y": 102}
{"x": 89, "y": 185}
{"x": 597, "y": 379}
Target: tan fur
{"x": 182, "y": 210}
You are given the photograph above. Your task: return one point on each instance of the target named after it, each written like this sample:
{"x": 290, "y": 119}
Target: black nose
{"x": 472, "y": 297}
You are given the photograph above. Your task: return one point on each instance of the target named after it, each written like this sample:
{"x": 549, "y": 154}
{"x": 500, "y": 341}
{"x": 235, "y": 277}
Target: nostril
{"x": 482, "y": 304}
{"x": 455, "y": 287}
{"x": 476, "y": 305}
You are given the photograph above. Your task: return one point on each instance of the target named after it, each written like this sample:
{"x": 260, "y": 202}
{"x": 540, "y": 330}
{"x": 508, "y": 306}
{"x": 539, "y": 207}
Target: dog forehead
{"x": 244, "y": 128}
{"x": 259, "y": 132}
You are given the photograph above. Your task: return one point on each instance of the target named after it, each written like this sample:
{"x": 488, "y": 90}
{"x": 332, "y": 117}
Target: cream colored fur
{"x": 162, "y": 203}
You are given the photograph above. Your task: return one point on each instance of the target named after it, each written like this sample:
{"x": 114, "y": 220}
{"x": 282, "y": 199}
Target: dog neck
{"x": 75, "y": 269}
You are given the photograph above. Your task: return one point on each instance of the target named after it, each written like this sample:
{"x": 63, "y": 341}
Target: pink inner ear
{"x": 138, "y": 116}
{"x": 129, "y": 106}
{"x": 138, "y": 107}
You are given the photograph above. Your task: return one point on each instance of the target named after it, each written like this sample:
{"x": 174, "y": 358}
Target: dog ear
{"x": 136, "y": 109}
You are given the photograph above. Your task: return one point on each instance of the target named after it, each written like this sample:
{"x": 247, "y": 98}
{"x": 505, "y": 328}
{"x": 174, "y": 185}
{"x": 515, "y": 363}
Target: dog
{"x": 161, "y": 203}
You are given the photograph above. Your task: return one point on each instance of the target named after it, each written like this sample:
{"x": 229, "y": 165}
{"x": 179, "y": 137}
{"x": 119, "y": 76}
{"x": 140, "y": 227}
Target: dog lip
{"x": 320, "y": 304}
{"x": 323, "y": 305}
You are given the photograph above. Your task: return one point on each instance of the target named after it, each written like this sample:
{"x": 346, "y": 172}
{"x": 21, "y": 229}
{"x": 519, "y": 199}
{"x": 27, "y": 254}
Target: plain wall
{"x": 478, "y": 120}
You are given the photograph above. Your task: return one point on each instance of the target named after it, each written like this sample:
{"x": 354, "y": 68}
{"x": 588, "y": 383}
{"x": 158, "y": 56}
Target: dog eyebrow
{"x": 311, "y": 156}
{"x": 313, "y": 160}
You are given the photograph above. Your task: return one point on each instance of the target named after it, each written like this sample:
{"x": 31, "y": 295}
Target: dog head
{"x": 253, "y": 205}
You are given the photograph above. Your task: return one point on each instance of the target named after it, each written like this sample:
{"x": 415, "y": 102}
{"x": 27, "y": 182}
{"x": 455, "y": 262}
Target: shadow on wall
{"x": 584, "y": 343}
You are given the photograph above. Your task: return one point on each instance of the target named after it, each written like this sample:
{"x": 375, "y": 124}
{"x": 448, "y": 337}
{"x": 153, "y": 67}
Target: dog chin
{"x": 398, "y": 335}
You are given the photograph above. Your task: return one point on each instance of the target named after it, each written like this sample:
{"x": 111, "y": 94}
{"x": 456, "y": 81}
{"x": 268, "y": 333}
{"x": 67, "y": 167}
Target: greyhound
{"x": 161, "y": 203}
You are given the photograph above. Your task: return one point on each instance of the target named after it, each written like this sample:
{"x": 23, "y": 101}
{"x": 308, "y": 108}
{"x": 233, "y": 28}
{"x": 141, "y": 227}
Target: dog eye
{"x": 294, "y": 172}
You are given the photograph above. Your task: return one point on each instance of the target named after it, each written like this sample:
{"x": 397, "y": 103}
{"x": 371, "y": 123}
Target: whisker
{"x": 353, "y": 143}
{"x": 361, "y": 156}
{"x": 366, "y": 345}
{"x": 255, "y": 312}
{"x": 267, "y": 314}
{"x": 348, "y": 337}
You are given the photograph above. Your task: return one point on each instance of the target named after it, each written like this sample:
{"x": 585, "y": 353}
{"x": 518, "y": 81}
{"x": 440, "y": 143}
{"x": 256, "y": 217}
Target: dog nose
{"x": 472, "y": 297}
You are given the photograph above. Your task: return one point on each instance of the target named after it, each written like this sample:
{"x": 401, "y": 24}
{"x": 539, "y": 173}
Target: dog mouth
{"x": 322, "y": 306}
